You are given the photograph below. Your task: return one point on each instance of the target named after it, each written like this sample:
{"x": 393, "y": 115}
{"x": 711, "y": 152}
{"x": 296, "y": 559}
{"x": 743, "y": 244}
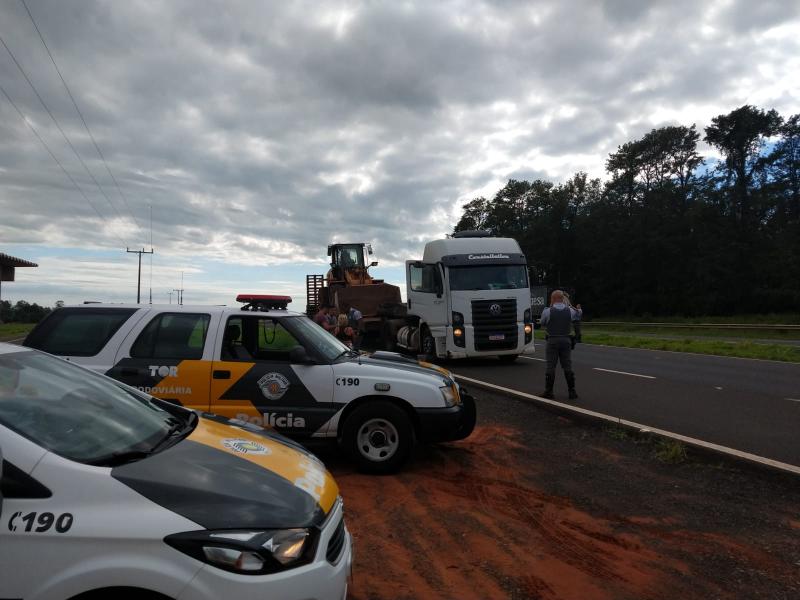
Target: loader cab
{"x": 349, "y": 262}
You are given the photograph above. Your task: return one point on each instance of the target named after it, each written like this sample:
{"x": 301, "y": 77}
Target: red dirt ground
{"x": 476, "y": 519}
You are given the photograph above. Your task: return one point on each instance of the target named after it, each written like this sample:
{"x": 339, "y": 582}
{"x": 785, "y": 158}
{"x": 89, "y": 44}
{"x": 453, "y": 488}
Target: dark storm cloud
{"x": 260, "y": 131}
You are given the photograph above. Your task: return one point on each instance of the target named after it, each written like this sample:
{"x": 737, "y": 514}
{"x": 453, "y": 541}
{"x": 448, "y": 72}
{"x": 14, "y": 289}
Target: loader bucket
{"x": 368, "y": 298}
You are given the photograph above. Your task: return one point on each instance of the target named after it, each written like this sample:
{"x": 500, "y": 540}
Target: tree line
{"x": 669, "y": 232}
{"x": 22, "y": 312}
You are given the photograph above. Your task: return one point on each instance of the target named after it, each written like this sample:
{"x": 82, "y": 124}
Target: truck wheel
{"x": 378, "y": 436}
{"x": 427, "y": 344}
{"x": 508, "y": 358}
{"x": 389, "y": 338}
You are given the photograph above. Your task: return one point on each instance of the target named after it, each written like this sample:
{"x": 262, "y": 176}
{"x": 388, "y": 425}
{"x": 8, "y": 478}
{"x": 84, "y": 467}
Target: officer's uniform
{"x": 557, "y": 320}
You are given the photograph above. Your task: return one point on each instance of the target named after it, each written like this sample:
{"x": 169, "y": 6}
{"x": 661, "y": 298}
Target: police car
{"x": 265, "y": 365}
{"x": 108, "y": 493}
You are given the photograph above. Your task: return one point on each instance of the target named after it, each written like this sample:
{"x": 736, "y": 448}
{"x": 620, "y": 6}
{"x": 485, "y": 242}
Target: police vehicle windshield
{"x": 76, "y": 413}
{"x": 315, "y": 338}
{"x": 488, "y": 277}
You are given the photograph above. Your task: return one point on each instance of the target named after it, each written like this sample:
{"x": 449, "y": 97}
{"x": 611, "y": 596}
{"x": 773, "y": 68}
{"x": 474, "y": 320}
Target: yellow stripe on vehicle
{"x": 304, "y": 472}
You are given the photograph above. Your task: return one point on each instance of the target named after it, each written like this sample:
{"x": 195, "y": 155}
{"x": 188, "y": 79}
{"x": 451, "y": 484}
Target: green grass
{"x": 671, "y": 452}
{"x": 12, "y": 331}
{"x": 743, "y": 349}
{"x": 762, "y": 319}
{"x": 691, "y": 332}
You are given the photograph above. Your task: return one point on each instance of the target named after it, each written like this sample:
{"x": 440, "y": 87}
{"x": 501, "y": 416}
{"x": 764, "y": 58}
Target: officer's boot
{"x": 549, "y": 380}
{"x": 570, "y": 377}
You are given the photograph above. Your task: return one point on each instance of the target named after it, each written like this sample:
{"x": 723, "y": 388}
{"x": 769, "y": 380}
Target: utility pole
{"x": 139, "y": 279}
{"x": 170, "y": 296}
{"x": 180, "y": 291}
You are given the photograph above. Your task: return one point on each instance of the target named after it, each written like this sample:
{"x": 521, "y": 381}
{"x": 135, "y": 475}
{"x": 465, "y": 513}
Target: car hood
{"x": 393, "y": 360}
{"x": 226, "y": 475}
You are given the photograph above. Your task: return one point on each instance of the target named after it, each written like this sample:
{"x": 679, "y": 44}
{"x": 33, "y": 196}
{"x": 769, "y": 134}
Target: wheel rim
{"x": 378, "y": 440}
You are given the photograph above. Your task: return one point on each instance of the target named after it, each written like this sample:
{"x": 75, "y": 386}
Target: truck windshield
{"x": 488, "y": 277}
{"x": 76, "y": 413}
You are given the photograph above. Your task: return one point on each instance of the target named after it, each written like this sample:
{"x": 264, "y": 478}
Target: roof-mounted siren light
{"x": 263, "y": 302}
{"x": 473, "y": 233}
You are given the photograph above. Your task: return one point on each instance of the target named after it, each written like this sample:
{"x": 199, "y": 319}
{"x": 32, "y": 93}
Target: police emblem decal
{"x": 243, "y": 446}
{"x": 495, "y": 310}
{"x": 273, "y": 386}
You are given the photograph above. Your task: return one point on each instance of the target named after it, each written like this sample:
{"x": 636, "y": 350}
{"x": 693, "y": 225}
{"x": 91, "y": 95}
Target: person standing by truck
{"x": 557, "y": 319}
{"x": 356, "y": 320}
{"x": 322, "y": 318}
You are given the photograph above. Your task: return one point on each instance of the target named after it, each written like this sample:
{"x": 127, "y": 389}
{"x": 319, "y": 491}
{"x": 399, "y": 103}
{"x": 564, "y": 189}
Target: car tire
{"x": 378, "y": 436}
{"x": 508, "y": 358}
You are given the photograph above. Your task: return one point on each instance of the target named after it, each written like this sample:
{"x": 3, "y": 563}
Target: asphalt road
{"x": 749, "y": 405}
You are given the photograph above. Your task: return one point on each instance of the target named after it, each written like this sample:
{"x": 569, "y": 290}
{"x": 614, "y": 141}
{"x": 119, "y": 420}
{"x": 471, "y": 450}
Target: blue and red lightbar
{"x": 263, "y": 301}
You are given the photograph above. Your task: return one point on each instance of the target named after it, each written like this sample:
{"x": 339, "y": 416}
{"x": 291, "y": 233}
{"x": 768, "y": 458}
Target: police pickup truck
{"x": 262, "y": 364}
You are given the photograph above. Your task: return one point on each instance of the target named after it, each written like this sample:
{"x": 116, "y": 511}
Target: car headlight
{"x": 450, "y": 395}
{"x": 248, "y": 552}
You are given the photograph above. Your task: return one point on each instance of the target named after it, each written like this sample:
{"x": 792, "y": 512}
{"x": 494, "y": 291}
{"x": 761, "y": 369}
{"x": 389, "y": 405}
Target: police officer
{"x": 557, "y": 319}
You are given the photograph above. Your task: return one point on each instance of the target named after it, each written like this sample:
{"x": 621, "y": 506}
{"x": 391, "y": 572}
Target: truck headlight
{"x": 528, "y": 328}
{"x": 247, "y": 552}
{"x": 450, "y": 395}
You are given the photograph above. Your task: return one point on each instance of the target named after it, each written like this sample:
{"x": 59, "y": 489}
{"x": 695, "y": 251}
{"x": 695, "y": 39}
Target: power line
{"x": 58, "y": 162}
{"x": 58, "y": 126}
{"x": 80, "y": 114}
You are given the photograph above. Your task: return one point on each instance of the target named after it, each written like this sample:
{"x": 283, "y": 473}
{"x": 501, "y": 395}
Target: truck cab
{"x": 467, "y": 297}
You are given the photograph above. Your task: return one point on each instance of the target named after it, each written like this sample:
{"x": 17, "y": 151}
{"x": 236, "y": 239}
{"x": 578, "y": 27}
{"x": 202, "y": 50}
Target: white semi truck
{"x": 468, "y": 297}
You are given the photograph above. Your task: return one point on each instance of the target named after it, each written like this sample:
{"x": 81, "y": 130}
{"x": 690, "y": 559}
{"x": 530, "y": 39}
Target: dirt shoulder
{"x": 535, "y": 505}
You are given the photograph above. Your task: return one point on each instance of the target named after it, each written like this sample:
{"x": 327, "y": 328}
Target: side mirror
{"x": 299, "y": 356}
{"x": 374, "y": 263}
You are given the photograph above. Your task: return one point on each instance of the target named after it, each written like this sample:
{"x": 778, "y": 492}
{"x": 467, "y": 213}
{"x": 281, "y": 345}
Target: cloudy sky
{"x": 260, "y": 131}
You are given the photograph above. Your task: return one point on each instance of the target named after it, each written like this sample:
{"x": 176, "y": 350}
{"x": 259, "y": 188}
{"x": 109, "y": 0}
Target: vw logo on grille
{"x": 495, "y": 310}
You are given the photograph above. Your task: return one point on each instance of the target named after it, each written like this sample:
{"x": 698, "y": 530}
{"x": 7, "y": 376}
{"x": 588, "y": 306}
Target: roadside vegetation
{"x": 13, "y": 331}
{"x": 667, "y": 331}
{"x": 665, "y": 450}
{"x": 753, "y": 319}
{"x": 669, "y": 231}
{"x": 740, "y": 349}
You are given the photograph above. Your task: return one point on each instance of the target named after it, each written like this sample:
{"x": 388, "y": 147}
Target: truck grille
{"x": 336, "y": 543}
{"x": 487, "y": 325}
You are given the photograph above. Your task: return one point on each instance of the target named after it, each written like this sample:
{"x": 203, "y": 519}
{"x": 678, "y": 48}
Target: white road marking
{"x": 793, "y": 400}
{"x": 662, "y": 432}
{"x": 623, "y": 373}
{"x": 534, "y": 358}
{"x": 716, "y": 387}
